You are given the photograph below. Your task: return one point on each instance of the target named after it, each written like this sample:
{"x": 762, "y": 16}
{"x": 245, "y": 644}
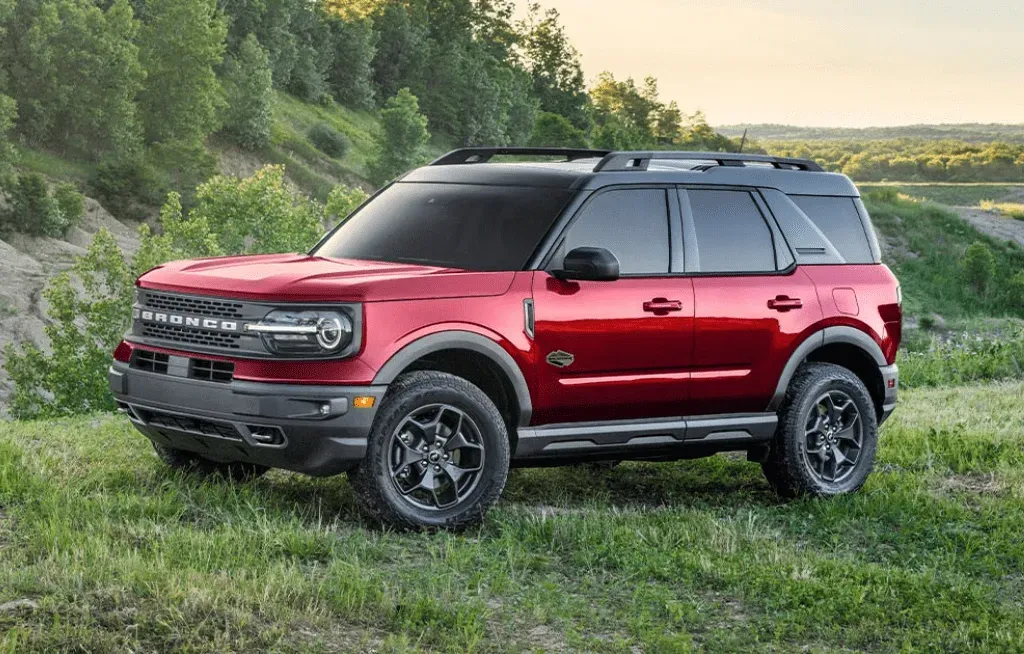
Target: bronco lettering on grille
{"x": 187, "y": 321}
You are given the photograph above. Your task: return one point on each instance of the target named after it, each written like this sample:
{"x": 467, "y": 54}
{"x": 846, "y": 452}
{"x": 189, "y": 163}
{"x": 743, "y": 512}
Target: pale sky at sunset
{"x": 813, "y": 62}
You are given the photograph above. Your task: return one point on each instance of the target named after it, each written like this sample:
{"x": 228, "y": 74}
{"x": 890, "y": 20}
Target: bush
{"x": 33, "y": 210}
{"x": 552, "y": 130}
{"x": 979, "y": 266}
{"x": 89, "y": 307}
{"x": 401, "y": 139}
{"x": 342, "y": 201}
{"x": 328, "y": 140}
{"x": 1015, "y": 289}
{"x": 121, "y": 184}
{"x": 965, "y": 358}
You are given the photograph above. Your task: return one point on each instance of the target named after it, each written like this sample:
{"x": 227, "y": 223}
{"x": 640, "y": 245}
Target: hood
{"x": 304, "y": 278}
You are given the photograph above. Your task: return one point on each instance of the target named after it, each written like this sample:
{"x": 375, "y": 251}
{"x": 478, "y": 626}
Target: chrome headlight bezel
{"x": 309, "y": 332}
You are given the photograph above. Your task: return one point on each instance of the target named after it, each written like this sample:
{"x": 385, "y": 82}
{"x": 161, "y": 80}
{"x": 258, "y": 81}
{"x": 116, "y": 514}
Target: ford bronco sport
{"x": 476, "y": 315}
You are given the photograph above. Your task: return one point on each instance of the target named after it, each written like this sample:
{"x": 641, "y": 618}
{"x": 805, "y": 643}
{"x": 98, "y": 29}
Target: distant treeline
{"x": 909, "y": 160}
{"x": 970, "y": 132}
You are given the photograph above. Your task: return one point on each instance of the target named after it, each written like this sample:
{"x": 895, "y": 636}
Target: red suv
{"x": 475, "y": 315}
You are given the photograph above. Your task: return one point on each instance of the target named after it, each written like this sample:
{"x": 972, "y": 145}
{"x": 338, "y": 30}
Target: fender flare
{"x": 826, "y": 336}
{"x": 461, "y": 340}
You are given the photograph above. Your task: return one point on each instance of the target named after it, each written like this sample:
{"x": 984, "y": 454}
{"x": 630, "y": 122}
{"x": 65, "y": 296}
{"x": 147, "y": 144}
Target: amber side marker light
{"x": 365, "y": 402}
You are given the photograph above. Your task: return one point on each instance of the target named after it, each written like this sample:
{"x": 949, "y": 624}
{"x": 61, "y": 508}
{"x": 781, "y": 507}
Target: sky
{"x": 843, "y": 63}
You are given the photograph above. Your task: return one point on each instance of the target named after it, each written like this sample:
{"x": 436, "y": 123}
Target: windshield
{"x": 464, "y": 226}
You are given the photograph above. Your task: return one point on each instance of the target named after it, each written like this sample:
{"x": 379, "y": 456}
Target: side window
{"x": 732, "y": 235}
{"x": 839, "y": 221}
{"x": 632, "y": 224}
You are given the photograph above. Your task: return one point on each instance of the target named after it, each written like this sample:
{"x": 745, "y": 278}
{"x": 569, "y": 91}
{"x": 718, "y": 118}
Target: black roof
{"x": 593, "y": 169}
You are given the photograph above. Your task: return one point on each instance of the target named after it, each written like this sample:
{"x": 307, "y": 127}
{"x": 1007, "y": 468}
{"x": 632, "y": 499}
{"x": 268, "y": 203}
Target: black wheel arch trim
{"x": 826, "y": 336}
{"x": 461, "y": 340}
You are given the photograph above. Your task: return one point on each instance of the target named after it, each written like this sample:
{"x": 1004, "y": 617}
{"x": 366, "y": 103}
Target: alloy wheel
{"x": 436, "y": 457}
{"x": 834, "y": 437}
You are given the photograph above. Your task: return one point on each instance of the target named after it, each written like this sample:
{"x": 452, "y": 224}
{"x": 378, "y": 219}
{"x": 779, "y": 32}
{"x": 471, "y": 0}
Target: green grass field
{"x": 115, "y": 553}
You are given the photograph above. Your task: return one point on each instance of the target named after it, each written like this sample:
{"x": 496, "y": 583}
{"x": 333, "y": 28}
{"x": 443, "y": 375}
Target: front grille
{"x": 192, "y": 336}
{"x": 218, "y": 371}
{"x": 194, "y": 305}
{"x": 199, "y": 426}
{"x": 151, "y": 361}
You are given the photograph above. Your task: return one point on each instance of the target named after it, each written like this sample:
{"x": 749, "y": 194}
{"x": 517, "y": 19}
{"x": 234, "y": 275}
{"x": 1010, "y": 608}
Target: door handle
{"x": 784, "y": 303}
{"x": 661, "y": 305}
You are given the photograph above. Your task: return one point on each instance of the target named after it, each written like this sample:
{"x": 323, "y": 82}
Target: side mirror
{"x": 590, "y": 264}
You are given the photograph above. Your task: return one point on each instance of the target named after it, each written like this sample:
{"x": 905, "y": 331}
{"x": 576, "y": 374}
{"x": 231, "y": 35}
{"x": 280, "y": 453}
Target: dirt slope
{"x": 993, "y": 224}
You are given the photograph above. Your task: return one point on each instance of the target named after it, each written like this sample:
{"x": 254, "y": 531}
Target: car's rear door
{"x": 752, "y": 304}
{"x": 616, "y": 350}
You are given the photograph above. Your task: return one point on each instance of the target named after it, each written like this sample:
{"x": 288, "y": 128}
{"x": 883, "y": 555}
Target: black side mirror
{"x": 590, "y": 264}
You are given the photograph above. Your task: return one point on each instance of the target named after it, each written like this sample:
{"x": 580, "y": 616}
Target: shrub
{"x": 34, "y": 210}
{"x": 71, "y": 204}
{"x": 342, "y": 201}
{"x": 979, "y": 266}
{"x": 121, "y": 184}
{"x": 1015, "y": 289}
{"x": 328, "y": 140}
{"x": 553, "y": 130}
{"x": 90, "y": 306}
{"x": 963, "y": 359}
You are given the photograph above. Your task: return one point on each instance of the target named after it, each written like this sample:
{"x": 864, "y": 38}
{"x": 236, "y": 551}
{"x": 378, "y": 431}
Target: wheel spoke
{"x": 409, "y": 453}
{"x": 838, "y": 456}
{"x": 849, "y": 434}
{"x": 456, "y": 473}
{"x": 426, "y": 483}
{"x": 458, "y": 441}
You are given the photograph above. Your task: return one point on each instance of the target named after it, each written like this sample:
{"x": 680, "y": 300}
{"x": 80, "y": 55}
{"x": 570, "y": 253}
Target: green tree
{"x": 181, "y": 43}
{"x": 552, "y": 130}
{"x": 402, "y": 137}
{"x": 342, "y": 201}
{"x": 8, "y": 153}
{"x": 402, "y": 48}
{"x": 248, "y": 89}
{"x": 351, "y": 72}
{"x": 555, "y": 66}
{"x": 979, "y": 266}
{"x": 74, "y": 71}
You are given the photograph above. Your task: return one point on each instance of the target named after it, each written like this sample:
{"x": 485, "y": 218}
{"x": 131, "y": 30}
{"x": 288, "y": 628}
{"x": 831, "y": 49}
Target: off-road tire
{"x": 786, "y": 466}
{"x": 376, "y": 493}
{"x": 236, "y": 471}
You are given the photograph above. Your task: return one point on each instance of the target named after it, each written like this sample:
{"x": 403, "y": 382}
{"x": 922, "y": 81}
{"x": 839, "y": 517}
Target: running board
{"x": 637, "y": 437}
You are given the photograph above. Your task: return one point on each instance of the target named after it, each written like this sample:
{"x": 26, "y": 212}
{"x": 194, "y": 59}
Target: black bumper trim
{"x": 204, "y": 417}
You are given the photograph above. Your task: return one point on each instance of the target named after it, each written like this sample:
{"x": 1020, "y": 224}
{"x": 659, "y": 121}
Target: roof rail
{"x": 483, "y": 155}
{"x": 619, "y": 161}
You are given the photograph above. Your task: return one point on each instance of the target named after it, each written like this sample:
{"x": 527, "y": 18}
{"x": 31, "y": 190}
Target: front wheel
{"x": 437, "y": 456}
{"x": 827, "y": 434}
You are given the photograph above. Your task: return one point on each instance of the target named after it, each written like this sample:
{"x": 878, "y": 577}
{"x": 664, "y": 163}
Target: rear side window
{"x": 632, "y": 224}
{"x": 732, "y": 235}
{"x": 838, "y": 220}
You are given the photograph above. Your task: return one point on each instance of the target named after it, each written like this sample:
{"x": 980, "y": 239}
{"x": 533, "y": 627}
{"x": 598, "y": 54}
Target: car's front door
{"x": 752, "y": 304}
{"x": 616, "y": 350}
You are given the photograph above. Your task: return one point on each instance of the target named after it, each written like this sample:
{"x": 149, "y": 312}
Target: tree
{"x": 552, "y": 130}
{"x": 74, "y": 71}
{"x": 979, "y": 266}
{"x": 555, "y": 66}
{"x": 351, "y": 72}
{"x": 402, "y": 48}
{"x": 8, "y": 153}
{"x": 248, "y": 89}
{"x": 402, "y": 137}
{"x": 181, "y": 96}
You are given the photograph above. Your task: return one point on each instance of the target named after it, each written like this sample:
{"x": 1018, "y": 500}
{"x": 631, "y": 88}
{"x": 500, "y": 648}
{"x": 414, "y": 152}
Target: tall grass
{"x": 963, "y": 358}
{"x": 1010, "y": 209}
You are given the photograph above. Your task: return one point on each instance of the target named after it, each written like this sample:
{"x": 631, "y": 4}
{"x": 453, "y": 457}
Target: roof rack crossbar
{"x": 619, "y": 161}
{"x": 483, "y": 155}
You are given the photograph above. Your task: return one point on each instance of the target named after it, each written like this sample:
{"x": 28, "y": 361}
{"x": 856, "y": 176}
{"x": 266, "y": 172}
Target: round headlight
{"x": 329, "y": 333}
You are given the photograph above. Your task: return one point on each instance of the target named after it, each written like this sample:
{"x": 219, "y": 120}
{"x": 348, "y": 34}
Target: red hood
{"x": 300, "y": 278}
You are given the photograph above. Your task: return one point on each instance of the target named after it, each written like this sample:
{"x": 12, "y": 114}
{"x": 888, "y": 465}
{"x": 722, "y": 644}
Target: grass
{"x": 1010, "y": 209}
{"x": 116, "y": 553}
{"x": 964, "y": 195}
{"x": 925, "y": 248}
{"x": 959, "y": 357}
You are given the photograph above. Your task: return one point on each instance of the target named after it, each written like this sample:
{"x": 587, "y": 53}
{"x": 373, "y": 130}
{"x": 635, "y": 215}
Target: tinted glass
{"x": 732, "y": 236}
{"x": 452, "y": 225}
{"x": 631, "y": 224}
{"x": 839, "y": 221}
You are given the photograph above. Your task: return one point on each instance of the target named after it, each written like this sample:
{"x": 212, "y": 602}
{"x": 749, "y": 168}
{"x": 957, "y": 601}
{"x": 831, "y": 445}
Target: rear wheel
{"x": 191, "y": 462}
{"x": 437, "y": 456}
{"x": 827, "y": 434}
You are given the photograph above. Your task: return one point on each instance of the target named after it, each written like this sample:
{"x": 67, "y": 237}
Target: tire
{"x": 235, "y": 471}
{"x": 802, "y": 459}
{"x": 450, "y": 417}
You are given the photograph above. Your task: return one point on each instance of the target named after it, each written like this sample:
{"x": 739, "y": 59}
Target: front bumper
{"x": 276, "y": 425}
{"x": 890, "y": 383}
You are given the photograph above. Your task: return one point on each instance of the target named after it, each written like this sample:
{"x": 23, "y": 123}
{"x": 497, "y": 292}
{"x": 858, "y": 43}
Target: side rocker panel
{"x": 462, "y": 340}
